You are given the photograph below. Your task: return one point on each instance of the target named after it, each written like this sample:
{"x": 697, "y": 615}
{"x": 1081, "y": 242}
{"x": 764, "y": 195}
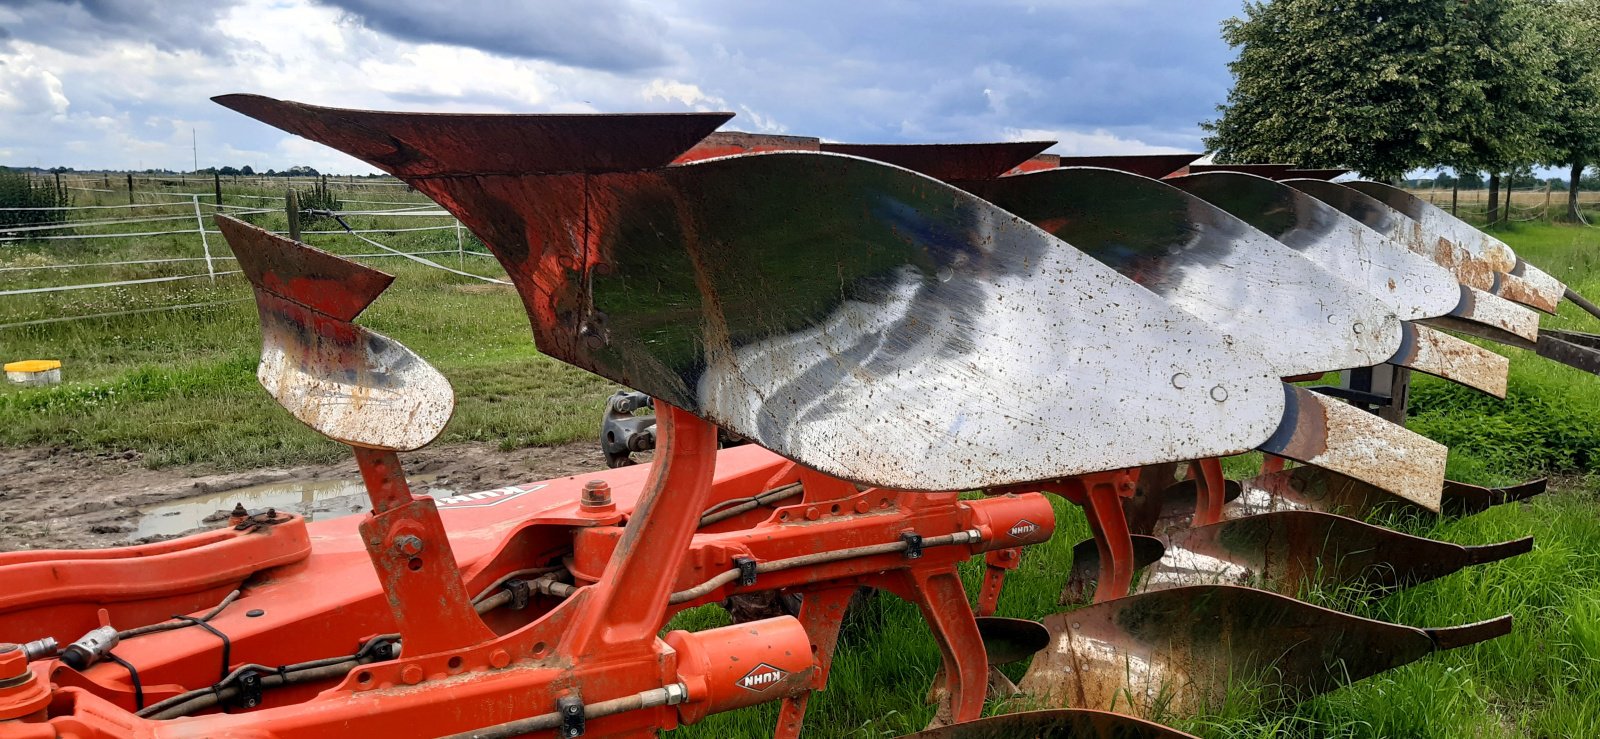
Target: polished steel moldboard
{"x": 864, "y": 320}
{"x": 1450, "y": 237}
{"x": 1176, "y": 652}
{"x": 1295, "y": 552}
{"x": 1478, "y": 312}
{"x": 1314, "y": 489}
{"x": 1411, "y": 285}
{"x": 1255, "y": 290}
{"x": 979, "y": 161}
{"x": 351, "y": 384}
{"x": 1061, "y": 723}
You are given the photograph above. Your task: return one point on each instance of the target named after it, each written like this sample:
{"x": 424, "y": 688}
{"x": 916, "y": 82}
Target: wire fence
{"x": 1544, "y": 204}
{"x": 165, "y": 235}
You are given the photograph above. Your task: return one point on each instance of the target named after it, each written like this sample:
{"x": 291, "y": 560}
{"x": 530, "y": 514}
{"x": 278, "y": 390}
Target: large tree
{"x": 1383, "y": 86}
{"x": 1572, "y": 129}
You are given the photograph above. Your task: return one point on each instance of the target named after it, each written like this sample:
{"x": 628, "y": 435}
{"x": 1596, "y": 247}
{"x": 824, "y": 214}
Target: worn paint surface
{"x": 1154, "y": 166}
{"x": 775, "y": 294}
{"x": 1259, "y": 293}
{"x": 1178, "y": 650}
{"x": 1410, "y": 285}
{"x": 352, "y": 384}
{"x": 1315, "y": 489}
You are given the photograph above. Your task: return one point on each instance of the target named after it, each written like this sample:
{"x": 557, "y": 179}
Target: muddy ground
{"x": 53, "y": 499}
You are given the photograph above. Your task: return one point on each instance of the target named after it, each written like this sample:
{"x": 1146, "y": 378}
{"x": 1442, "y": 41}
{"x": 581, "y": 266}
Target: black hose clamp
{"x": 747, "y": 570}
{"x": 913, "y": 544}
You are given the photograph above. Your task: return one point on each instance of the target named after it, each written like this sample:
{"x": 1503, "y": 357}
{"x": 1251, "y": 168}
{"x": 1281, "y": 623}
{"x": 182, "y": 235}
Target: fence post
{"x": 216, "y": 181}
{"x": 130, "y": 188}
{"x": 1547, "y": 201}
{"x": 1455, "y": 192}
{"x": 461, "y": 250}
{"x": 205, "y": 243}
{"x": 291, "y": 203}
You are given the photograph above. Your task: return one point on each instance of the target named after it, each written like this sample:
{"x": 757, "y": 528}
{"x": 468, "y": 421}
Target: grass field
{"x": 179, "y": 387}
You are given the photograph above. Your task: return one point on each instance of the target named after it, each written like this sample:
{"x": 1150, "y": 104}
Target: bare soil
{"x": 53, "y": 499}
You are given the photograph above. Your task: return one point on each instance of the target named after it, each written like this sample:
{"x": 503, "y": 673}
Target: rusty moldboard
{"x": 351, "y": 384}
{"x": 1295, "y": 552}
{"x": 948, "y": 161}
{"x": 1315, "y": 489}
{"x": 1178, "y": 651}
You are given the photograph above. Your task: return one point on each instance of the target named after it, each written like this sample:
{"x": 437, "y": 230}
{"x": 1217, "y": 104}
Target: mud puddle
{"x": 316, "y": 500}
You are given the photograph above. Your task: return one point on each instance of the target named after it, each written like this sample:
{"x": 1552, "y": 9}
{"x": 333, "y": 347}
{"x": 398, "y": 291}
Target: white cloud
{"x": 1092, "y": 143}
{"x": 124, "y": 85}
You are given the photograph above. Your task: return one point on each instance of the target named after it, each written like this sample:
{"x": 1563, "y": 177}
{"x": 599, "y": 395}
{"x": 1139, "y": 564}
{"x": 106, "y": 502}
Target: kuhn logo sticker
{"x": 1023, "y": 529}
{"x": 486, "y": 498}
{"x": 762, "y": 677}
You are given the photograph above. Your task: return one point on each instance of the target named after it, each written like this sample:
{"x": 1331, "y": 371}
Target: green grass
{"x": 179, "y": 387}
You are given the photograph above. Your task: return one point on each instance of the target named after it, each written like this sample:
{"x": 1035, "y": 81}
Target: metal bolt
{"x": 596, "y": 494}
{"x": 411, "y": 674}
{"x": 408, "y": 545}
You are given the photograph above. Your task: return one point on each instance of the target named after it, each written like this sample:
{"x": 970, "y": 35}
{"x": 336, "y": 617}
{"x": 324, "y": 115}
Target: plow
{"x": 855, "y": 368}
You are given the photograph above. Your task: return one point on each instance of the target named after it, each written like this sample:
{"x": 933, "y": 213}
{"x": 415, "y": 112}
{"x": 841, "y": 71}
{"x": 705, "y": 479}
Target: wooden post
{"x": 1547, "y": 201}
{"x": 1455, "y": 193}
{"x": 216, "y": 181}
{"x": 292, "y": 207}
{"x": 130, "y": 188}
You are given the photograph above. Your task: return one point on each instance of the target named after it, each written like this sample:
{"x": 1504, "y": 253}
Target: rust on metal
{"x": 1314, "y": 174}
{"x": 948, "y": 162}
{"x": 482, "y": 145}
{"x": 730, "y": 143}
{"x": 1054, "y": 724}
{"x": 1180, "y": 650}
{"x": 1341, "y": 438}
{"x": 1491, "y": 317}
{"x": 1442, "y": 355}
{"x": 1154, "y": 166}
{"x": 1461, "y": 499}
{"x": 1314, "y": 489}
{"x": 1572, "y": 348}
{"x": 1293, "y": 552}
{"x": 351, "y": 384}
{"x": 1269, "y": 171}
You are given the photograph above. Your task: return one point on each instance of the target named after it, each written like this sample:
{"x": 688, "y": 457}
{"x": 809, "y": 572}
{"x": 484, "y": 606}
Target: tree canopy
{"x": 1388, "y": 86}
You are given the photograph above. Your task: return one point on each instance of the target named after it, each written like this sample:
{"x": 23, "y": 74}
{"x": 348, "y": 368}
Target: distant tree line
{"x": 245, "y": 171}
{"x": 1386, "y": 87}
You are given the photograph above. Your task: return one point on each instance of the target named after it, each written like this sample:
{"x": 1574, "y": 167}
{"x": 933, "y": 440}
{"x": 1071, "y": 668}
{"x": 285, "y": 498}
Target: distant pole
{"x": 59, "y": 188}
{"x": 1547, "y": 200}
{"x": 461, "y": 248}
{"x": 205, "y": 243}
{"x": 1455, "y": 192}
{"x": 194, "y": 146}
{"x": 292, "y": 207}
{"x": 216, "y": 181}
{"x": 130, "y": 188}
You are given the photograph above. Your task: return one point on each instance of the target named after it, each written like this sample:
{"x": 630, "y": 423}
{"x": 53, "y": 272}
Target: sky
{"x": 125, "y": 84}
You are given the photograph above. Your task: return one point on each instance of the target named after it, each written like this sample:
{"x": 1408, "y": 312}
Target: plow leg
{"x": 943, "y": 603}
{"x": 821, "y": 613}
{"x": 1111, "y": 537}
